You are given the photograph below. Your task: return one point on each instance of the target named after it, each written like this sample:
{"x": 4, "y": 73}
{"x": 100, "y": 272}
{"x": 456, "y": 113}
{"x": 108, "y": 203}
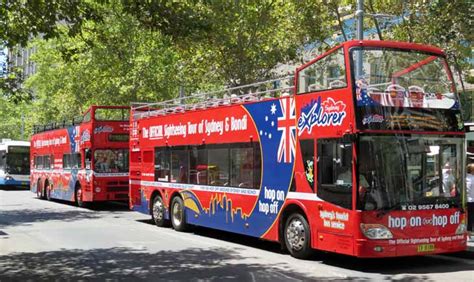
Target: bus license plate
{"x": 425, "y": 248}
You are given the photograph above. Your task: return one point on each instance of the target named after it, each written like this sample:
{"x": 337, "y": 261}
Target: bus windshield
{"x": 111, "y": 160}
{"x": 17, "y": 160}
{"x": 399, "y": 171}
{"x": 112, "y": 114}
{"x": 400, "y": 89}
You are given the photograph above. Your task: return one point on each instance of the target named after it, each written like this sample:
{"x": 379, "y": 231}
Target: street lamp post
{"x": 360, "y": 34}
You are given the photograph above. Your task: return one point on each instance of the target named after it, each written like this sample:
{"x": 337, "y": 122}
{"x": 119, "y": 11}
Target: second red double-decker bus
{"x": 363, "y": 157}
{"x": 85, "y": 160}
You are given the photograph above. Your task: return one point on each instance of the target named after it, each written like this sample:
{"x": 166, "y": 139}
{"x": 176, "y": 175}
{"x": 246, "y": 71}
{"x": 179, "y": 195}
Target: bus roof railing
{"x": 257, "y": 91}
{"x": 57, "y": 125}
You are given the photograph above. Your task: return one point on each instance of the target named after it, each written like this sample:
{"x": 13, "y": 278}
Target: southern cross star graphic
{"x": 273, "y": 109}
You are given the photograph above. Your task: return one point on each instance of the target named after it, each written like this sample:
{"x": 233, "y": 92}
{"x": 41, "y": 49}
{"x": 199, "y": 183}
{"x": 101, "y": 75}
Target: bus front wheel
{"x": 79, "y": 196}
{"x": 178, "y": 215}
{"x": 158, "y": 212}
{"x": 48, "y": 189}
{"x": 297, "y": 236}
{"x": 39, "y": 191}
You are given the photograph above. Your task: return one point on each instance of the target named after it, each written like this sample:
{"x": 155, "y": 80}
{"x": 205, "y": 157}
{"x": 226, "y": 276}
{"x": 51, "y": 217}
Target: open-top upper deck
{"x": 304, "y": 82}
{"x": 273, "y": 88}
{"x": 94, "y": 113}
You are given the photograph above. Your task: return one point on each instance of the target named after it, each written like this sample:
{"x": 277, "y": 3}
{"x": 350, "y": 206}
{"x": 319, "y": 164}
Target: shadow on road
{"x": 128, "y": 264}
{"x": 386, "y": 266}
{"x": 110, "y": 206}
{"x": 29, "y": 216}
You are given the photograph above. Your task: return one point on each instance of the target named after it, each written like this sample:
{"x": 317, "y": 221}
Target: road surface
{"x": 43, "y": 240}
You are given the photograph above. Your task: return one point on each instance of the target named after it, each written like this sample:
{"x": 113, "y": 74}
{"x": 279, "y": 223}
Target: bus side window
{"x": 335, "y": 172}
{"x": 325, "y": 74}
{"x": 162, "y": 164}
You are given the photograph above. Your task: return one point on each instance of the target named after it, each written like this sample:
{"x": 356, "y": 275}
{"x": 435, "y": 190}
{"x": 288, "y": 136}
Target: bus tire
{"x": 39, "y": 190}
{"x": 78, "y": 195}
{"x": 158, "y": 210}
{"x": 297, "y": 236}
{"x": 47, "y": 191}
{"x": 178, "y": 215}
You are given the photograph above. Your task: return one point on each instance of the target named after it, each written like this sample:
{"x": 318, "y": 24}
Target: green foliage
{"x": 111, "y": 63}
{"x": 11, "y": 117}
{"x": 22, "y": 19}
{"x": 443, "y": 23}
{"x": 115, "y": 52}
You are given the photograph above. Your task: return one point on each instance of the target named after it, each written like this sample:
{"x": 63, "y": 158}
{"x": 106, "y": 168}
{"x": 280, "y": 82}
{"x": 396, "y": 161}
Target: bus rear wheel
{"x": 158, "y": 212}
{"x": 48, "y": 189}
{"x": 178, "y": 215}
{"x": 297, "y": 236}
{"x": 78, "y": 195}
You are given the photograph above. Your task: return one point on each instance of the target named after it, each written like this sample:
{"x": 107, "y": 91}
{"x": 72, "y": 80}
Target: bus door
{"x": 335, "y": 190}
{"x": 87, "y": 184}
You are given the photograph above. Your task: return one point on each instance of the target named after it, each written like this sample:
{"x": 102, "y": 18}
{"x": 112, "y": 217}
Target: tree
{"x": 112, "y": 62}
{"x": 236, "y": 41}
{"x": 14, "y": 117}
{"x": 21, "y": 19}
{"x": 442, "y": 23}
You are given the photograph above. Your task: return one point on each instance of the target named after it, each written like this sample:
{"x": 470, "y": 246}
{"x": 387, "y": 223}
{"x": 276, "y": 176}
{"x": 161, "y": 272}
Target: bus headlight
{"x": 462, "y": 228}
{"x": 8, "y": 177}
{"x": 375, "y": 231}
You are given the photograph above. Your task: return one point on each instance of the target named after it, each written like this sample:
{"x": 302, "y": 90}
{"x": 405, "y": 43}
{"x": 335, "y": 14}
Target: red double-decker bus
{"x": 84, "y": 160}
{"x": 363, "y": 156}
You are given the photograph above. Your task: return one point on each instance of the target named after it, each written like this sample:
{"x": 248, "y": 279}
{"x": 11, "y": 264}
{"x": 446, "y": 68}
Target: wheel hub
{"x": 177, "y": 214}
{"x": 295, "y": 235}
{"x": 158, "y": 210}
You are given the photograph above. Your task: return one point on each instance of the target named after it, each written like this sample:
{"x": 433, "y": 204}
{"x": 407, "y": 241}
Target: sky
{"x": 3, "y": 61}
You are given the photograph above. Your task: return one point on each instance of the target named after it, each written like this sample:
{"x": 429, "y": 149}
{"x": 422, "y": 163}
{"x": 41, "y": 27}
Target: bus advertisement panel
{"x": 14, "y": 163}
{"x": 322, "y": 167}
{"x": 84, "y": 161}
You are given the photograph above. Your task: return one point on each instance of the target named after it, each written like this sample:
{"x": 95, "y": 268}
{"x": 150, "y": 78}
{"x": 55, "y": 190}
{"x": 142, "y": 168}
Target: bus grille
{"x": 121, "y": 196}
{"x": 117, "y": 183}
{"x": 117, "y": 189}
{"x": 117, "y": 186}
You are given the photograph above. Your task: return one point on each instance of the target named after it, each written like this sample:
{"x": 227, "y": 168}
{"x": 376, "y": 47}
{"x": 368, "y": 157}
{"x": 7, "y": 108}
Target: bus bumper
{"x": 111, "y": 190}
{"x": 396, "y": 248}
{"x": 111, "y": 197}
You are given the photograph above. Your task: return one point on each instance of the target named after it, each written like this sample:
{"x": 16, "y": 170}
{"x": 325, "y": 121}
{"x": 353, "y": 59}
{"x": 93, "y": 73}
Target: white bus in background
{"x": 14, "y": 163}
{"x": 469, "y": 127}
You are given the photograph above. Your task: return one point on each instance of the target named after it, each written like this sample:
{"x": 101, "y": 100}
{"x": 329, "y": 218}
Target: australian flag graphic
{"x": 275, "y": 122}
{"x": 276, "y": 126}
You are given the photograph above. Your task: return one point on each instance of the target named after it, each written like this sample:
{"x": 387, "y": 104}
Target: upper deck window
{"x": 119, "y": 137}
{"x": 112, "y": 114}
{"x": 87, "y": 117}
{"x": 325, "y": 74}
{"x": 403, "y": 89}
{"x": 390, "y": 69}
